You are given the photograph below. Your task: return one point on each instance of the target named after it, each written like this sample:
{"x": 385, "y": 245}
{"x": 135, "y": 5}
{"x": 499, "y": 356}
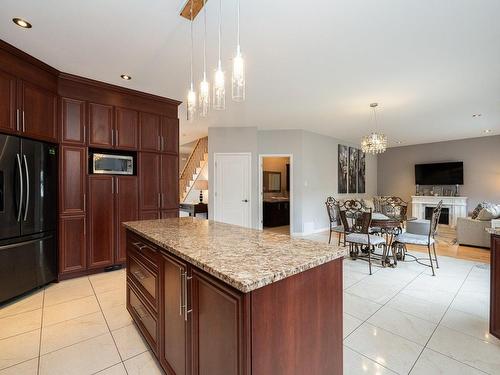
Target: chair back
{"x": 395, "y": 207}
{"x": 436, "y": 213}
{"x": 332, "y": 208}
{"x": 355, "y": 217}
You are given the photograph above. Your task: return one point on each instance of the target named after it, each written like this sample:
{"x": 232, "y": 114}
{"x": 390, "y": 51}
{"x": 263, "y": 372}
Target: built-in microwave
{"x": 102, "y": 163}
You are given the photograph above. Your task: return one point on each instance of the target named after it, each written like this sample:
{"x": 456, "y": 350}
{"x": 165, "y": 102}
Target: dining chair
{"x": 428, "y": 240}
{"x": 332, "y": 207}
{"x": 356, "y": 220}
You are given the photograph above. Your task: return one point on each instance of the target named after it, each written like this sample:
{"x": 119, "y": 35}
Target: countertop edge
{"x": 244, "y": 288}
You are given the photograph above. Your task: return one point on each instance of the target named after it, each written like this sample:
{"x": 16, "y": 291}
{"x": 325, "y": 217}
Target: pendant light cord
{"x": 205, "y": 43}
{"x": 192, "y": 43}
{"x": 220, "y": 22}
{"x": 238, "y": 17}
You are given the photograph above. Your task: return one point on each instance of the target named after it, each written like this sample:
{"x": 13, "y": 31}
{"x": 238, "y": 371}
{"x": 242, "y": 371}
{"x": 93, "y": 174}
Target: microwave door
{"x": 109, "y": 164}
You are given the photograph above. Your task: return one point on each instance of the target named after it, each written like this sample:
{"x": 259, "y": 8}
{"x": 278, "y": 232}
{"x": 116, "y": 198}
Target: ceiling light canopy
{"x": 126, "y": 77}
{"x": 22, "y": 23}
{"x": 375, "y": 143}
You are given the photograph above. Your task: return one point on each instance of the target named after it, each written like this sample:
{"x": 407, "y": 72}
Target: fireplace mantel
{"x": 456, "y": 205}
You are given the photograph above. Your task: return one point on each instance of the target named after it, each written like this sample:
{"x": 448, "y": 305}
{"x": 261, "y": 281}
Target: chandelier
{"x": 375, "y": 143}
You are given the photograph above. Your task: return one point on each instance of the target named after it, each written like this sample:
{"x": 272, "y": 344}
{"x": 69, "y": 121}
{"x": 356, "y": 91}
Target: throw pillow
{"x": 489, "y": 212}
{"x": 478, "y": 209}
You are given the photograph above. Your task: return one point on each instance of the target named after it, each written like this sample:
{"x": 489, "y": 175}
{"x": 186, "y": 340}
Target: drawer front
{"x": 143, "y": 317}
{"x": 145, "y": 249}
{"x": 143, "y": 276}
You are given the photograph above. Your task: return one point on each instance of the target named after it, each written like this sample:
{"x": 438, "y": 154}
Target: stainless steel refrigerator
{"x": 28, "y": 215}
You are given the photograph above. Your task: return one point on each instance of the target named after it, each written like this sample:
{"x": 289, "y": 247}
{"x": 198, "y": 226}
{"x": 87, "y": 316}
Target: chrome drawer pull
{"x": 139, "y": 275}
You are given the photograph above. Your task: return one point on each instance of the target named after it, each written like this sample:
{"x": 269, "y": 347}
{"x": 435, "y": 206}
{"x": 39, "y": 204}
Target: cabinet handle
{"x": 162, "y": 143}
{"x": 84, "y": 133}
{"x": 17, "y": 119}
{"x": 84, "y": 202}
{"x": 24, "y": 123}
{"x": 139, "y": 275}
{"x": 112, "y": 186}
{"x": 181, "y": 291}
{"x": 159, "y": 143}
{"x": 117, "y": 187}
{"x": 159, "y": 200}
{"x": 116, "y": 137}
{"x": 186, "y": 311}
{"x": 139, "y": 245}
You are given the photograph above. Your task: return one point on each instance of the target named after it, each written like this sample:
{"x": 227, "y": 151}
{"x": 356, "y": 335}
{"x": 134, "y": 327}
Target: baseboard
{"x": 301, "y": 234}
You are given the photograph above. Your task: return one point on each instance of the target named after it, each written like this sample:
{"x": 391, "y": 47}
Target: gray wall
{"x": 481, "y": 157}
{"x": 314, "y": 169}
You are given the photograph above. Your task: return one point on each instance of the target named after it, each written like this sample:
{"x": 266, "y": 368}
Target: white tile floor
{"x": 397, "y": 321}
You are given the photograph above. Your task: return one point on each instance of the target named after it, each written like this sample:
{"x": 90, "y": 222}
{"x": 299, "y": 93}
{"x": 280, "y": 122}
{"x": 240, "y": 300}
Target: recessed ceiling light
{"x": 126, "y": 77}
{"x": 487, "y": 131}
{"x": 477, "y": 115}
{"x": 22, "y": 23}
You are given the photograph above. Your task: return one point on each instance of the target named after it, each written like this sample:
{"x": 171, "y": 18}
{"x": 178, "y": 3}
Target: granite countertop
{"x": 495, "y": 231}
{"x": 246, "y": 259}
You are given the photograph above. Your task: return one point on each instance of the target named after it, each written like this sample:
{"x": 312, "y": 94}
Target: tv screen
{"x": 439, "y": 174}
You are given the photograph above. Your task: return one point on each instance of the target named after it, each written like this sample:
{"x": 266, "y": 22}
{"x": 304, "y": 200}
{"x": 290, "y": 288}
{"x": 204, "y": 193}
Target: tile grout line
{"x": 440, "y": 320}
{"x": 378, "y": 364}
{"x": 41, "y": 333}
{"x": 107, "y": 325}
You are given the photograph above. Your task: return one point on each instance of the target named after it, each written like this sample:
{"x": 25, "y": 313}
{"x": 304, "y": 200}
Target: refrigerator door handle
{"x": 21, "y": 187}
{"x": 27, "y": 188}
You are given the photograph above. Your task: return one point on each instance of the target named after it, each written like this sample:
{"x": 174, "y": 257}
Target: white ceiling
{"x": 316, "y": 65}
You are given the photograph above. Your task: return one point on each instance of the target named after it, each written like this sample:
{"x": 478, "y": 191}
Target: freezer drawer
{"x": 26, "y": 265}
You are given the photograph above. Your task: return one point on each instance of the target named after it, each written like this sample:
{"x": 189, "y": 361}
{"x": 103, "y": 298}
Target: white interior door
{"x": 232, "y": 189}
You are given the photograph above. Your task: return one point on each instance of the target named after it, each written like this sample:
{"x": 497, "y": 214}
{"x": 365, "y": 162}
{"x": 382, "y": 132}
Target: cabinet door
{"x": 150, "y": 132}
{"x": 219, "y": 350}
{"x": 167, "y": 214}
{"x": 495, "y": 287}
{"x": 73, "y": 175}
{"x": 170, "y": 135}
{"x": 150, "y": 215}
{"x": 174, "y": 326}
{"x": 8, "y": 121}
{"x": 101, "y": 221}
{"x": 149, "y": 176}
{"x": 73, "y": 121}
{"x": 126, "y": 129}
{"x": 100, "y": 125}
{"x": 169, "y": 181}
{"x": 39, "y": 109}
{"x": 72, "y": 244}
{"x": 127, "y": 209}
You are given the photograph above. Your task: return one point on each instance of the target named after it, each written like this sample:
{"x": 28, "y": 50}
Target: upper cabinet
{"x": 73, "y": 121}
{"x": 7, "y": 102}
{"x": 150, "y": 132}
{"x": 126, "y": 130}
{"x": 101, "y": 132}
{"x": 169, "y": 135}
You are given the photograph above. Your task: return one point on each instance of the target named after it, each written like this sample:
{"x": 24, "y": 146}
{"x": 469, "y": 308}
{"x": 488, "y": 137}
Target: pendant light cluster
{"x": 218, "y": 101}
{"x": 375, "y": 143}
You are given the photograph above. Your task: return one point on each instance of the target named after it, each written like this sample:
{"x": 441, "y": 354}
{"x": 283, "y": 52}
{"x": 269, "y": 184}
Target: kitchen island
{"x": 495, "y": 282}
{"x": 213, "y": 298}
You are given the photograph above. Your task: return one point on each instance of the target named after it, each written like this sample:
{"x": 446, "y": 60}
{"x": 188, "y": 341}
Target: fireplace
{"x": 443, "y": 219}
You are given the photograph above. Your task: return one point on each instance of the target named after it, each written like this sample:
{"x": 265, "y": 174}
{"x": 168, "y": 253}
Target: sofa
{"x": 472, "y": 230}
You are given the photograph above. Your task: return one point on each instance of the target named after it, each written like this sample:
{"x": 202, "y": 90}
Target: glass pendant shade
{"x": 238, "y": 78}
{"x": 204, "y": 97}
{"x": 374, "y": 143}
{"x": 191, "y": 104}
{"x": 219, "y": 100}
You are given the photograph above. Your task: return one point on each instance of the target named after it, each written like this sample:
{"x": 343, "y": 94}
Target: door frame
{"x": 261, "y": 192}
{"x": 218, "y": 155}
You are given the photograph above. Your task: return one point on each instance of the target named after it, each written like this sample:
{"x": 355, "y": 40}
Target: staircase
{"x": 194, "y": 165}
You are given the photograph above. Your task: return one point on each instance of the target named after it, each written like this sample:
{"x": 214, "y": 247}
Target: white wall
{"x": 314, "y": 169}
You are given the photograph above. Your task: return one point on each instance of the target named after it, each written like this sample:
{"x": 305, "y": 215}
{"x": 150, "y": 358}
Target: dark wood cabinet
{"x": 217, "y": 327}
{"x": 8, "y": 111}
{"x": 127, "y": 209}
{"x": 72, "y": 244}
{"x": 101, "y": 221}
{"x": 73, "y": 176}
{"x": 149, "y": 180}
{"x": 169, "y": 186}
{"x": 150, "y": 215}
{"x": 149, "y": 124}
{"x": 126, "y": 130}
{"x": 169, "y": 135}
{"x": 276, "y": 213}
{"x": 101, "y": 132}
{"x": 495, "y": 286}
{"x": 39, "y": 112}
{"x": 168, "y": 214}
{"x": 174, "y": 316}
{"x": 73, "y": 121}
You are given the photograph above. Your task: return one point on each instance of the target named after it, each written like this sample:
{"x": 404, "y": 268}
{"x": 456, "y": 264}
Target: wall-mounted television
{"x": 440, "y": 173}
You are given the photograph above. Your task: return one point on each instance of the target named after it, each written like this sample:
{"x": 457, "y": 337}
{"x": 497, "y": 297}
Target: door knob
{"x": 245, "y": 200}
